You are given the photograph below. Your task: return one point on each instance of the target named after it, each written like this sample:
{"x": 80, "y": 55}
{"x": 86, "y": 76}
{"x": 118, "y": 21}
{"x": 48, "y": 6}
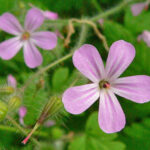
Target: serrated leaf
{"x": 137, "y": 136}
{"x": 95, "y": 138}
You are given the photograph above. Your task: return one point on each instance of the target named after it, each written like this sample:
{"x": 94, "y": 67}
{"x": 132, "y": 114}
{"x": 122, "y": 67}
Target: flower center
{"x": 104, "y": 84}
{"x": 25, "y": 36}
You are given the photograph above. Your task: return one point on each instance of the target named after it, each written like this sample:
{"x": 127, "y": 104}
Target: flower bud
{"x": 14, "y": 102}
{"x": 7, "y": 90}
{"x": 40, "y": 84}
{"x": 52, "y": 108}
{"x": 3, "y": 110}
{"x": 21, "y": 5}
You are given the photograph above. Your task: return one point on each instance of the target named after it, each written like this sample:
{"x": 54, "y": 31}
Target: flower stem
{"x": 63, "y": 22}
{"x": 111, "y": 11}
{"x": 13, "y": 129}
{"x": 21, "y": 129}
{"x": 30, "y": 134}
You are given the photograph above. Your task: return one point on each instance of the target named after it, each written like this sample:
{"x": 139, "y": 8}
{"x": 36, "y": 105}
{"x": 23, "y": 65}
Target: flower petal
{"x": 11, "y": 81}
{"x": 137, "y": 8}
{"x": 45, "y": 40}
{"x": 88, "y": 61}
{"x": 135, "y": 88}
{"x": 34, "y": 19}
{"x": 9, "y": 48}
{"x": 10, "y": 24}
{"x": 145, "y": 36}
{"x": 32, "y": 56}
{"x": 77, "y": 99}
{"x": 120, "y": 56}
{"x": 50, "y": 15}
{"x": 111, "y": 116}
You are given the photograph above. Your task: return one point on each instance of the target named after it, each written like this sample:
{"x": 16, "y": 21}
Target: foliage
{"x": 71, "y": 132}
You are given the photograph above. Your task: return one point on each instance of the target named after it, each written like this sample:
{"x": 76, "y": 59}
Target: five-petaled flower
{"x": 26, "y": 37}
{"x": 106, "y": 84}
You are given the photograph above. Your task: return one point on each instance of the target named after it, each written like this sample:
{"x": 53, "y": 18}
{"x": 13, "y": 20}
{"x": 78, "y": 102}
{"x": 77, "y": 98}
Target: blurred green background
{"x": 79, "y": 132}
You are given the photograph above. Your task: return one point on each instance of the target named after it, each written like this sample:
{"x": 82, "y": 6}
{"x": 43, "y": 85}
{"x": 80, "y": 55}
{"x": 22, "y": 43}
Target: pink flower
{"x": 145, "y": 36}
{"x": 22, "y": 113}
{"x": 49, "y": 123}
{"x": 50, "y": 15}
{"x": 101, "y": 22}
{"x": 26, "y": 37}
{"x": 105, "y": 84}
{"x": 11, "y": 81}
{"x": 137, "y": 8}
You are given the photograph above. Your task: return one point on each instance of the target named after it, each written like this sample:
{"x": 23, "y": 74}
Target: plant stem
{"x": 21, "y": 129}
{"x": 63, "y": 22}
{"x": 12, "y": 129}
{"x": 111, "y": 11}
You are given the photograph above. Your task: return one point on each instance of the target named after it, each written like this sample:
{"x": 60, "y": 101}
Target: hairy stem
{"x": 119, "y": 7}
{"x": 15, "y": 130}
{"x": 111, "y": 11}
{"x": 21, "y": 129}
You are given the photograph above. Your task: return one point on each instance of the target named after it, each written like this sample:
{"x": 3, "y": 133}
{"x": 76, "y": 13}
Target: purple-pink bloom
{"x": 101, "y": 21}
{"x": 105, "y": 84}
{"x": 22, "y": 113}
{"x": 50, "y": 15}
{"x": 11, "y": 81}
{"x": 145, "y": 36}
{"x": 26, "y": 37}
{"x": 49, "y": 123}
{"x": 137, "y": 8}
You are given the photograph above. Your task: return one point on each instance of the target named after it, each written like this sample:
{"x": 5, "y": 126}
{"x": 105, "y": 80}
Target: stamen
{"x": 104, "y": 84}
{"x": 25, "y": 36}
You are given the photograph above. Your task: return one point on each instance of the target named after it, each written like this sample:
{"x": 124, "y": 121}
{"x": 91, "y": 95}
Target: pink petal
{"x": 120, "y": 56}
{"x": 135, "y": 88}
{"x": 32, "y": 56}
{"x": 45, "y": 40}
{"x": 101, "y": 21}
{"x": 49, "y": 123}
{"x": 111, "y": 116}
{"x": 50, "y": 15}
{"x": 11, "y": 81}
{"x": 9, "y": 48}
{"x": 34, "y": 19}
{"x": 77, "y": 99}
{"x": 10, "y": 24}
{"x": 145, "y": 36}
{"x": 137, "y": 8}
{"x": 88, "y": 61}
{"x": 22, "y": 111}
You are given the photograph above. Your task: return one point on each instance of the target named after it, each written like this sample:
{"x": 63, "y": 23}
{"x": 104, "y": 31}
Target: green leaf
{"x": 115, "y": 31}
{"x": 95, "y": 138}
{"x": 137, "y": 136}
{"x": 137, "y": 24}
{"x": 59, "y": 78}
